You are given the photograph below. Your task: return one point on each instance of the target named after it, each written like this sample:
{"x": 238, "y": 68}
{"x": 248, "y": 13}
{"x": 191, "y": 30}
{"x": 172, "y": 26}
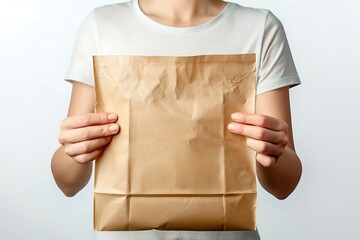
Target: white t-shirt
{"x": 123, "y": 29}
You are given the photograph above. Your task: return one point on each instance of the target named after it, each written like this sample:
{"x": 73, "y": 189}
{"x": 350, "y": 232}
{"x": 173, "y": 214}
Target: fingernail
{"x": 235, "y": 116}
{"x": 232, "y": 127}
{"x": 113, "y": 128}
{"x": 112, "y": 117}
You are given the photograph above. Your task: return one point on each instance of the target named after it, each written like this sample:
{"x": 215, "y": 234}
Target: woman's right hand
{"x": 85, "y": 137}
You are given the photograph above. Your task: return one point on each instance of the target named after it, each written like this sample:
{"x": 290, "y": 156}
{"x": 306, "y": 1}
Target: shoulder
{"x": 107, "y": 12}
{"x": 254, "y": 16}
{"x": 245, "y": 11}
{"x": 107, "y": 15}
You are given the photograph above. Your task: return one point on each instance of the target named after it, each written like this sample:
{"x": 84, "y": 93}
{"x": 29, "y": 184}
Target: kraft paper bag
{"x": 175, "y": 166}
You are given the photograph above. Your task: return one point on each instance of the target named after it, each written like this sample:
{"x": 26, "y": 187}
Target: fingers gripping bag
{"x": 174, "y": 165}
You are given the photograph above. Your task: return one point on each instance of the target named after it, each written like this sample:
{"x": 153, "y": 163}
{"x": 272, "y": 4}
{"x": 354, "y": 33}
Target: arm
{"x": 269, "y": 133}
{"x": 83, "y": 136}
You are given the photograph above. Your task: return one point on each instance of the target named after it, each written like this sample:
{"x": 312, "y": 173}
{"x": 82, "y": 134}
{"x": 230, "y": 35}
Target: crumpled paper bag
{"x": 175, "y": 166}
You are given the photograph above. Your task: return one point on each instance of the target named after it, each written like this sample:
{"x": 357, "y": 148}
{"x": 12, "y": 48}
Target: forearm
{"x": 282, "y": 178}
{"x": 69, "y": 175}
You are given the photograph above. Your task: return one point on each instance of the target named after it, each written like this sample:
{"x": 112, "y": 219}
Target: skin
{"x": 181, "y": 13}
{"x": 84, "y": 134}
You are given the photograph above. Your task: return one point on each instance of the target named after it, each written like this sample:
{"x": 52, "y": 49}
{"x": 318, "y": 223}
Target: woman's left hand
{"x": 266, "y": 135}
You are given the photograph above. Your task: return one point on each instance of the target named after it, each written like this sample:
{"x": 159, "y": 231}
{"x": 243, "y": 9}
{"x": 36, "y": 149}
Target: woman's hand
{"x": 266, "y": 135}
{"x": 85, "y": 137}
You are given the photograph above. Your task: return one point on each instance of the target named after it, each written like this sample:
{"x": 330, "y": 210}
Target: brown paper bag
{"x": 175, "y": 166}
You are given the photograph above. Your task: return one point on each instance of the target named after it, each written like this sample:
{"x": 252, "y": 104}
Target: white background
{"x": 36, "y": 42}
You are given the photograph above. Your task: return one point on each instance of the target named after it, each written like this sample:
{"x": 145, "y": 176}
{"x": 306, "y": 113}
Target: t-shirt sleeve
{"x": 81, "y": 66}
{"x": 277, "y": 68}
